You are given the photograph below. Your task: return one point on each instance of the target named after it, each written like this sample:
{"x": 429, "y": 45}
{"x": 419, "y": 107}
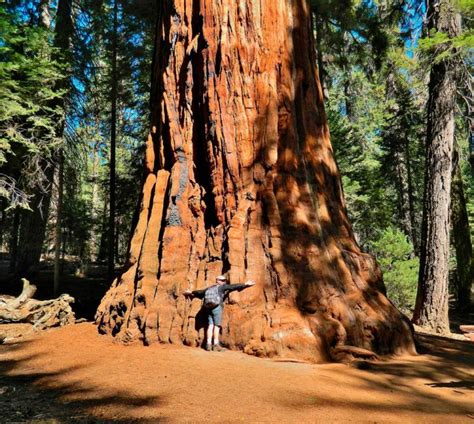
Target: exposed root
{"x": 41, "y": 314}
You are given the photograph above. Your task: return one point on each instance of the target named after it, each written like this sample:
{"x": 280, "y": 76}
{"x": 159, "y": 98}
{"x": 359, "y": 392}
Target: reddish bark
{"x": 241, "y": 178}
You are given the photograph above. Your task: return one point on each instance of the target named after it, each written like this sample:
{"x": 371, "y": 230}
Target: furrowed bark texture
{"x": 461, "y": 236}
{"x": 240, "y": 178}
{"x": 431, "y": 308}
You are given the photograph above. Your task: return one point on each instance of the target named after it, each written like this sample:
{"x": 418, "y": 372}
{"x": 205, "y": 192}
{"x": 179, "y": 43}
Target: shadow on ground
{"x": 437, "y": 384}
{"x": 45, "y": 398}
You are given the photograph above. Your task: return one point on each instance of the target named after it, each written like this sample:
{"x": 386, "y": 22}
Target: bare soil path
{"x": 73, "y": 375}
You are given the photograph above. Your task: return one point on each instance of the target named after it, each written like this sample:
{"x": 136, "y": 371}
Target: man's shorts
{"x": 215, "y": 315}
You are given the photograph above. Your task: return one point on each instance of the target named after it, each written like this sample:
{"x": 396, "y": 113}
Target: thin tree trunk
{"x": 94, "y": 244}
{"x": 57, "y": 238}
{"x": 431, "y": 308}
{"x": 241, "y": 178}
{"x": 45, "y": 15}
{"x": 3, "y": 220}
{"x": 397, "y": 141}
{"x": 461, "y": 236}
{"x": 318, "y": 25}
{"x": 403, "y": 191}
{"x": 33, "y": 229}
{"x": 411, "y": 200}
{"x": 63, "y": 34}
{"x": 102, "y": 256}
{"x": 33, "y": 224}
{"x": 113, "y": 134}
{"x": 13, "y": 242}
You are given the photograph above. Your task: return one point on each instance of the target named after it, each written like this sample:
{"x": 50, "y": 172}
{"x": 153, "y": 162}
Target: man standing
{"x": 213, "y": 302}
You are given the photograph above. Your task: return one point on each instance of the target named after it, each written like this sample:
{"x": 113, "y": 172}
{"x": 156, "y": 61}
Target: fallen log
{"x": 41, "y": 314}
{"x": 468, "y": 331}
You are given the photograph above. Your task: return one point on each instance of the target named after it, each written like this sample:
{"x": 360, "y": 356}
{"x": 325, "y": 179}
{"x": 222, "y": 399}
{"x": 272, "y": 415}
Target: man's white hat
{"x": 222, "y": 278}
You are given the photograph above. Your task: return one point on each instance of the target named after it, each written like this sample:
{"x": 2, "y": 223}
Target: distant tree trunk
{"x": 403, "y": 190}
{"x": 103, "y": 245}
{"x": 411, "y": 200}
{"x": 461, "y": 236}
{"x": 33, "y": 224}
{"x": 113, "y": 134}
{"x": 3, "y": 220}
{"x": 94, "y": 243}
{"x": 33, "y": 228}
{"x": 241, "y": 178}
{"x": 431, "y": 308}
{"x": 58, "y": 227}
{"x": 45, "y": 15}
{"x": 399, "y": 154}
{"x": 13, "y": 242}
{"x": 63, "y": 34}
{"x": 318, "y": 25}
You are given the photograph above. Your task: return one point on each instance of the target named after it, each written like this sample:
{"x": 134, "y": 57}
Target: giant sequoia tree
{"x": 240, "y": 178}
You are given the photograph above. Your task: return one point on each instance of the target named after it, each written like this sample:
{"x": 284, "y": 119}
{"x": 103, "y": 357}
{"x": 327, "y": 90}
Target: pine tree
{"x": 431, "y": 308}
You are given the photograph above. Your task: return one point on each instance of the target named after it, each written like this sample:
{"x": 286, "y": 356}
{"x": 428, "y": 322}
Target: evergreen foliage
{"x": 29, "y": 111}
{"x": 400, "y": 269}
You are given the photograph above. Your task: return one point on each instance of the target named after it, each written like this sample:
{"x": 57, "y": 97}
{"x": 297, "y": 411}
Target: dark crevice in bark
{"x": 168, "y": 156}
{"x": 161, "y": 53}
{"x": 162, "y": 229}
{"x": 201, "y": 122}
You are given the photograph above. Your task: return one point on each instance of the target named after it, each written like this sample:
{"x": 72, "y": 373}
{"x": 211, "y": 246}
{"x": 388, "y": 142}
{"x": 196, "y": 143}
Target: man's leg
{"x": 217, "y": 314}
{"x": 217, "y": 330}
{"x": 210, "y": 330}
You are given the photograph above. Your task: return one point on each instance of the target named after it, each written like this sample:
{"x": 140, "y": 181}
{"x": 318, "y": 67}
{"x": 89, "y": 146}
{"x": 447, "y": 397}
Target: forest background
{"x": 74, "y": 116}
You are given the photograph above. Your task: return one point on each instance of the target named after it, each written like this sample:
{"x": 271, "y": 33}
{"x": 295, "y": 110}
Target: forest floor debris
{"x": 41, "y": 314}
{"x": 73, "y": 375}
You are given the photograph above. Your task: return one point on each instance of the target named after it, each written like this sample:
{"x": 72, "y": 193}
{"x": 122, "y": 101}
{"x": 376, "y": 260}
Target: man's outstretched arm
{"x": 239, "y": 287}
{"x": 195, "y": 293}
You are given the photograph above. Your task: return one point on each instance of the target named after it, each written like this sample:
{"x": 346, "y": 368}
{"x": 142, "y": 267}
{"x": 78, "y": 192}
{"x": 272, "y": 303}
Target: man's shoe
{"x": 208, "y": 347}
{"x": 218, "y": 348}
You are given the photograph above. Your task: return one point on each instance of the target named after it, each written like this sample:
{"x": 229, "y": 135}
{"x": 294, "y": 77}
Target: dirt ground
{"x": 73, "y": 375}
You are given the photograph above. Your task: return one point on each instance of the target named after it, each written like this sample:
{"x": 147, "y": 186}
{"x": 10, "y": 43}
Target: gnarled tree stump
{"x": 41, "y": 314}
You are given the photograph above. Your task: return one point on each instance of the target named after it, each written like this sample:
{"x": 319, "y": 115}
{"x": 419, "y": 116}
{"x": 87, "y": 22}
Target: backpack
{"x": 212, "y": 297}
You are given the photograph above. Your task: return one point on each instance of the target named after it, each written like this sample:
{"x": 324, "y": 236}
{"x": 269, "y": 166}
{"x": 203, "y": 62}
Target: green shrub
{"x": 399, "y": 266}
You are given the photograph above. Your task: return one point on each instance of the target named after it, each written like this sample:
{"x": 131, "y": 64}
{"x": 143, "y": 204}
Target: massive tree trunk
{"x": 431, "y": 308}
{"x": 240, "y": 178}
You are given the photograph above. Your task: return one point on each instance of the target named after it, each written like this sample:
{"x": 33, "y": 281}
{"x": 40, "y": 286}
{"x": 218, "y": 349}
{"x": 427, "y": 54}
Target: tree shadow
{"x": 446, "y": 359}
{"x": 400, "y": 387}
{"x": 29, "y": 396}
{"x": 469, "y": 385}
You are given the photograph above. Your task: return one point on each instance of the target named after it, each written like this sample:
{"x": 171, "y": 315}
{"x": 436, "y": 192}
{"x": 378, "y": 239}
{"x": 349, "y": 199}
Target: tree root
{"x": 41, "y": 314}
